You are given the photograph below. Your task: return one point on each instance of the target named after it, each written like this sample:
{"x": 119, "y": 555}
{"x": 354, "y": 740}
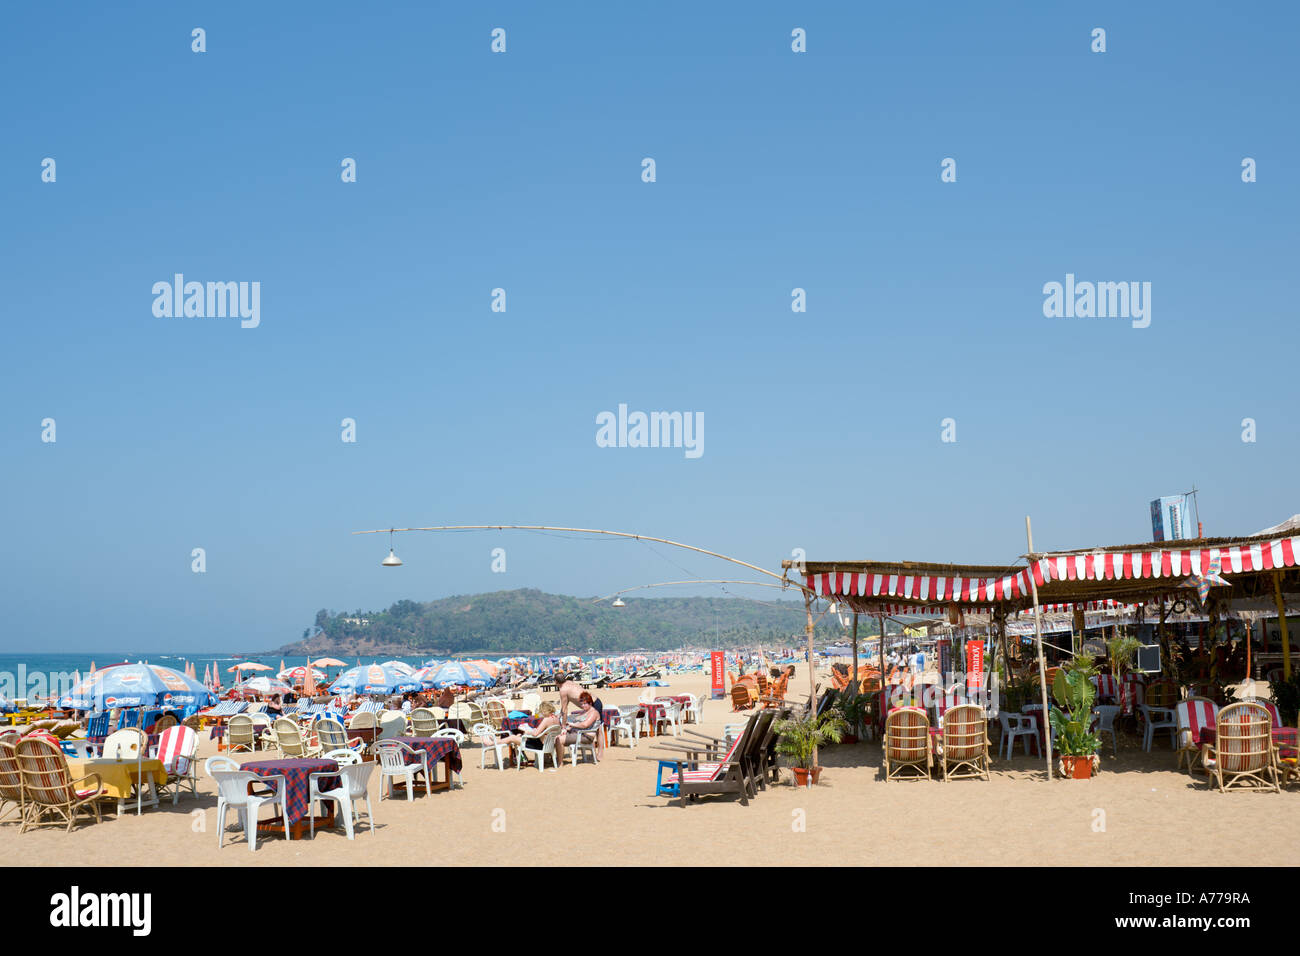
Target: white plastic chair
{"x": 451, "y": 733}
{"x": 1016, "y": 725}
{"x": 587, "y": 742}
{"x": 673, "y": 716}
{"x": 538, "y": 748}
{"x": 124, "y": 744}
{"x": 1105, "y": 715}
{"x": 1158, "y": 718}
{"x": 355, "y": 778}
{"x": 628, "y": 723}
{"x": 232, "y": 793}
{"x": 219, "y": 762}
{"x": 393, "y": 765}
{"x": 690, "y": 710}
{"x": 344, "y": 758}
{"x": 489, "y": 742}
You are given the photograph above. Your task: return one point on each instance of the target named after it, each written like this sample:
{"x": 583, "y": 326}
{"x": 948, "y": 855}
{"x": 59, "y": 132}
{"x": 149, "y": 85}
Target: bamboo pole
{"x": 1281, "y": 625}
{"x": 856, "y": 686}
{"x": 1038, "y": 640}
{"x": 812, "y": 672}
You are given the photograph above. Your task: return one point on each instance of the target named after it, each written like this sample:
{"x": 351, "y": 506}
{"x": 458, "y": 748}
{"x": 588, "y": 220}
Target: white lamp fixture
{"x": 392, "y": 561}
{"x": 619, "y": 602}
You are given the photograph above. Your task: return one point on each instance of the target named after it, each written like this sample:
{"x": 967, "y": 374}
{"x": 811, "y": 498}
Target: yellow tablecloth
{"x": 117, "y": 776}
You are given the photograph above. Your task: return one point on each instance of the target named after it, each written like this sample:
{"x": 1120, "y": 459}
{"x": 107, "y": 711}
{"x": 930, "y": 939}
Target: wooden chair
{"x": 1242, "y": 755}
{"x": 49, "y": 788}
{"x": 964, "y": 743}
{"x": 907, "y": 744}
{"x": 740, "y": 699}
{"x": 727, "y": 772}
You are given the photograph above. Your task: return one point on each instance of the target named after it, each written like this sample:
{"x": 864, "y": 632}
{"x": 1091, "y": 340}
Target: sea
{"x": 36, "y": 674}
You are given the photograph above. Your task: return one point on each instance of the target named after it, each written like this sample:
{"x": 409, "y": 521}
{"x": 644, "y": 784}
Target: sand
{"x": 1138, "y": 811}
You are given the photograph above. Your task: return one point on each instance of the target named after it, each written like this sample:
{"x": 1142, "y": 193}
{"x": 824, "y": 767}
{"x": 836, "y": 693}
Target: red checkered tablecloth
{"x": 296, "y": 779}
{"x": 438, "y": 748}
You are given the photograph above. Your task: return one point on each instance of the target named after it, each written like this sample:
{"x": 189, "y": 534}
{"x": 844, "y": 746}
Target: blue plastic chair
{"x": 666, "y": 789}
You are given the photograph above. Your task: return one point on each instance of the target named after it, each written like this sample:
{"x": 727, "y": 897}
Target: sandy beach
{"x": 606, "y": 814}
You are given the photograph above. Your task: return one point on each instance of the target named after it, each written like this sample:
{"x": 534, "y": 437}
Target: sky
{"x": 522, "y": 170}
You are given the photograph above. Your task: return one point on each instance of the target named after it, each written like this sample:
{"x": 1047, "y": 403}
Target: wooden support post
{"x": 856, "y": 686}
{"x": 1281, "y": 625}
{"x": 1042, "y": 661}
{"x": 812, "y": 670}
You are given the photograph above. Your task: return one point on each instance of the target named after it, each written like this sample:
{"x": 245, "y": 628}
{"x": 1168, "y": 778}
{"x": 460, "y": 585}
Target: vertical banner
{"x": 719, "y": 675}
{"x": 974, "y": 669}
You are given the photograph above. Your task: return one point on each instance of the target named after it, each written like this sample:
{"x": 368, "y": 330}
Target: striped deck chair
{"x": 964, "y": 743}
{"x": 49, "y": 788}
{"x": 1107, "y": 688}
{"x": 1191, "y": 716}
{"x": 1242, "y": 755}
{"x": 1130, "y": 692}
{"x": 11, "y": 779}
{"x": 177, "y": 748}
{"x": 332, "y": 736}
{"x": 693, "y": 777}
{"x": 907, "y": 744}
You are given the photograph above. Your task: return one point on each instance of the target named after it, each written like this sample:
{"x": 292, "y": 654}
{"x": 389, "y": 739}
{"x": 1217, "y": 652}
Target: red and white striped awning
{"x": 938, "y": 591}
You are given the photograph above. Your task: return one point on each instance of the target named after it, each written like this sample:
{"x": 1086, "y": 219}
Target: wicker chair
{"x": 49, "y": 788}
{"x": 964, "y": 744}
{"x": 331, "y": 736}
{"x": 1242, "y": 755}
{"x": 11, "y": 779}
{"x": 423, "y": 722}
{"x": 288, "y": 737}
{"x": 907, "y": 744}
{"x": 240, "y": 734}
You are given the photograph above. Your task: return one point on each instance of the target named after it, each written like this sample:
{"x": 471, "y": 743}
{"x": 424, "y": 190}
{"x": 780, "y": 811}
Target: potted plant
{"x": 853, "y": 708}
{"x": 800, "y": 738}
{"x": 1072, "y": 718}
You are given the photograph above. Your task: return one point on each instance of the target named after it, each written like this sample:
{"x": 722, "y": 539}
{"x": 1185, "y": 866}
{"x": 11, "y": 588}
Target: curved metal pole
{"x": 664, "y": 584}
{"x": 615, "y": 534}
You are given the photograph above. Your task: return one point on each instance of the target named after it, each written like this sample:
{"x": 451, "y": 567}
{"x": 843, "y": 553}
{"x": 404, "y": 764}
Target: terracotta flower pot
{"x": 1077, "y": 768}
{"x": 801, "y": 775}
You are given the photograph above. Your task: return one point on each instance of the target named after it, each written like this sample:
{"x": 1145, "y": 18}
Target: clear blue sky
{"x": 522, "y": 170}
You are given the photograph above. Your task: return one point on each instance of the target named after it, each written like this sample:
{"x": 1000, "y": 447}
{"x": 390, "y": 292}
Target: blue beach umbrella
{"x": 459, "y": 673}
{"x": 136, "y": 685}
{"x": 373, "y": 679}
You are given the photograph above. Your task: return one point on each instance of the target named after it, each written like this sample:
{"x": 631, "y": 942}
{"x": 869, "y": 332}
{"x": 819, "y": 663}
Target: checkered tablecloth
{"x": 609, "y": 715}
{"x": 512, "y": 724}
{"x": 438, "y": 748}
{"x": 654, "y": 712}
{"x": 296, "y": 780}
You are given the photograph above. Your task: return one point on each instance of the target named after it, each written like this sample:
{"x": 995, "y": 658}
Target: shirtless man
{"x": 570, "y": 692}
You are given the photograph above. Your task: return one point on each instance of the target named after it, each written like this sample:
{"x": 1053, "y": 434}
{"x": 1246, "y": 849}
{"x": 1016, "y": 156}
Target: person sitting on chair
{"x": 586, "y": 720}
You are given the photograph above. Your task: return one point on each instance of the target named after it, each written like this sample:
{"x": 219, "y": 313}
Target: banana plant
{"x": 1072, "y": 716}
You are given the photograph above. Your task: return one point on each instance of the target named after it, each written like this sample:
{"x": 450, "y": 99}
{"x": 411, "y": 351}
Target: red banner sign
{"x": 974, "y": 665}
{"x": 719, "y": 668}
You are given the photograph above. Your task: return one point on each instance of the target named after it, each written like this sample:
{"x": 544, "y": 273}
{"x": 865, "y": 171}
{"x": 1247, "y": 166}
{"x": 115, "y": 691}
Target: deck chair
{"x": 728, "y": 772}
{"x": 1191, "y": 716}
{"x": 49, "y": 788}
{"x": 740, "y": 699}
{"x": 964, "y": 743}
{"x": 11, "y": 779}
{"x": 907, "y": 744}
{"x": 240, "y": 734}
{"x": 423, "y": 722}
{"x": 288, "y": 737}
{"x": 177, "y": 749}
{"x": 1242, "y": 755}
